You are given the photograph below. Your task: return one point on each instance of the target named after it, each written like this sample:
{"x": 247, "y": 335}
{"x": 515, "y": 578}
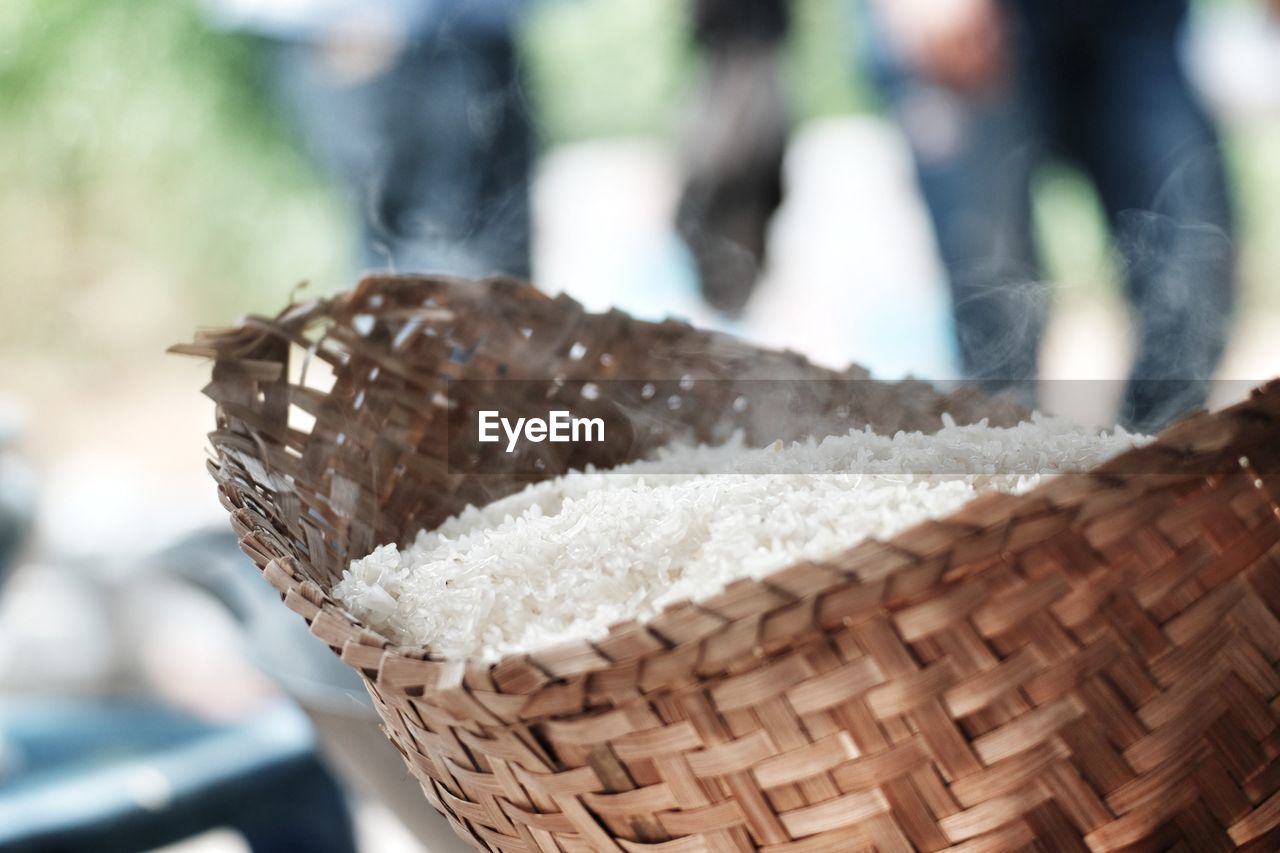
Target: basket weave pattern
{"x": 1090, "y": 666}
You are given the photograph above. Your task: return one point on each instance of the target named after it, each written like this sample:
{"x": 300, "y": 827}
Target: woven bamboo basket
{"x": 1092, "y": 665}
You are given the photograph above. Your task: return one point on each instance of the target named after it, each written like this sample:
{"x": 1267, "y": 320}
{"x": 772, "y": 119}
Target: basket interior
{"x": 338, "y": 414}
{"x": 1066, "y": 664}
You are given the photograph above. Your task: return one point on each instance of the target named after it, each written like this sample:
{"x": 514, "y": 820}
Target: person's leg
{"x": 333, "y": 114}
{"x": 974, "y": 158}
{"x": 434, "y": 147}
{"x": 734, "y": 146}
{"x": 505, "y": 234}
{"x": 455, "y": 195}
{"x": 1155, "y": 158}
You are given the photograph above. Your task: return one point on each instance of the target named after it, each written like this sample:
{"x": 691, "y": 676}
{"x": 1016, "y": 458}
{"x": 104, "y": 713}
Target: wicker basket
{"x": 1088, "y": 666}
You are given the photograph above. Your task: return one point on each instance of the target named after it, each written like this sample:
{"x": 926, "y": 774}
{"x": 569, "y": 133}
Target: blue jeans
{"x": 1099, "y": 84}
{"x": 435, "y": 151}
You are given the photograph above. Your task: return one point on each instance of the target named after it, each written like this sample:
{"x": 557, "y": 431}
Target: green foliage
{"x": 144, "y": 175}
{"x": 1071, "y": 232}
{"x": 1255, "y": 170}
{"x": 823, "y": 61}
{"x": 621, "y": 67}
{"x": 607, "y": 67}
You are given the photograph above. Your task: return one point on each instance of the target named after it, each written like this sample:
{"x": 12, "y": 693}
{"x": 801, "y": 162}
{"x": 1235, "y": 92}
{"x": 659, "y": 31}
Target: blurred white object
{"x": 55, "y": 633}
{"x": 852, "y": 273}
{"x": 1232, "y": 55}
{"x": 605, "y": 210}
{"x": 92, "y": 504}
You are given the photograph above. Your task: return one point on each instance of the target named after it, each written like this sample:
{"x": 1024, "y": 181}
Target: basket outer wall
{"x": 1088, "y": 666}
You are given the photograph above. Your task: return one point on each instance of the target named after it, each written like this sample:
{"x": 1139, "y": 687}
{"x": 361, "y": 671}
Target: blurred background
{"x": 169, "y": 164}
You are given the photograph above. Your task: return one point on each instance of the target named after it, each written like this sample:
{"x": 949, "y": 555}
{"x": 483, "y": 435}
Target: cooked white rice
{"x": 566, "y": 558}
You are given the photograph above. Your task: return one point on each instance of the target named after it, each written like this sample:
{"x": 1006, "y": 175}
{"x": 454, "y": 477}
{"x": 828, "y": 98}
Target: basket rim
{"x": 748, "y": 618}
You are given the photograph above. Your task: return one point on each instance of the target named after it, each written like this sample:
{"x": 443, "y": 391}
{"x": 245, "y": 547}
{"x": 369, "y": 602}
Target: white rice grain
{"x": 569, "y": 557}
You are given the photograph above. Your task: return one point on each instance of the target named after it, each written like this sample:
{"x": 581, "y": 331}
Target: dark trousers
{"x": 435, "y": 150}
{"x": 1099, "y": 84}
